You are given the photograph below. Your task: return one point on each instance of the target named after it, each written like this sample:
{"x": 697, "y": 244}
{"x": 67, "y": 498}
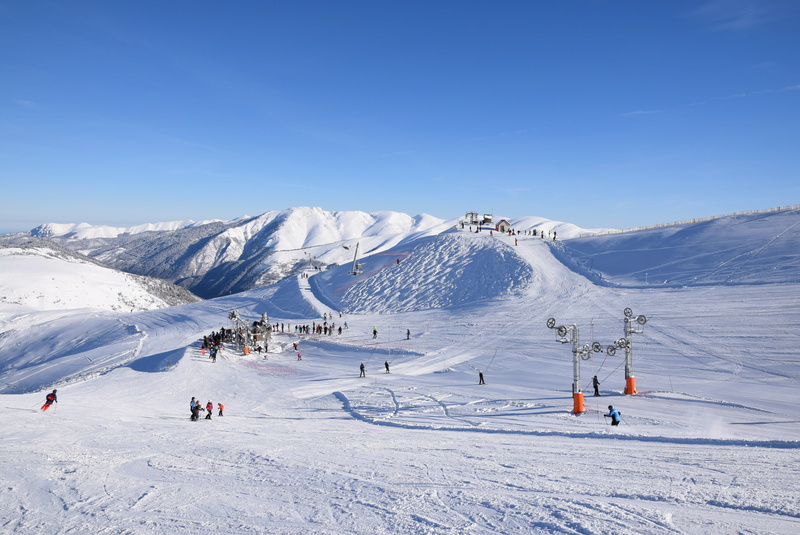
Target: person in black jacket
{"x": 50, "y": 399}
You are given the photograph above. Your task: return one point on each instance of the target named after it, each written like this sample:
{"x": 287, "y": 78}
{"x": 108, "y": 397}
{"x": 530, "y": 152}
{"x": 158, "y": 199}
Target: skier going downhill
{"x": 49, "y": 400}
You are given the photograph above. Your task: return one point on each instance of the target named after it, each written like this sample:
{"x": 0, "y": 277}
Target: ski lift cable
{"x": 490, "y": 362}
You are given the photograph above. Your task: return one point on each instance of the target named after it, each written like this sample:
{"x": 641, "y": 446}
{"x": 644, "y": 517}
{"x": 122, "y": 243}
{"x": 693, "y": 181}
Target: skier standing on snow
{"x": 614, "y": 414}
{"x": 386, "y": 364}
{"x": 363, "y": 370}
{"x": 596, "y": 385}
{"x": 221, "y": 408}
{"x": 480, "y": 378}
{"x": 408, "y": 334}
{"x": 374, "y": 333}
{"x": 209, "y": 409}
{"x": 50, "y": 399}
{"x": 194, "y": 406}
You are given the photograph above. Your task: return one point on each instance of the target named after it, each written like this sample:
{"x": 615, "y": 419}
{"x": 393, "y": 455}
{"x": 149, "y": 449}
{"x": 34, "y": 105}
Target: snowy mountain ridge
{"x": 222, "y": 257}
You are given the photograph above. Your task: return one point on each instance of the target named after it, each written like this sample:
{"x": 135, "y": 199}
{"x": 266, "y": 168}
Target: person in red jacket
{"x": 209, "y": 410}
{"x": 49, "y": 400}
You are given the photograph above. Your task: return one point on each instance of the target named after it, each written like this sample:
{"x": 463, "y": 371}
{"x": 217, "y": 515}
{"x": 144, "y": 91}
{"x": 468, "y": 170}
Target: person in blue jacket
{"x": 614, "y": 414}
{"x": 194, "y": 406}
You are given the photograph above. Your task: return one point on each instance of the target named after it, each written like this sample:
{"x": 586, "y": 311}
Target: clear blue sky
{"x": 599, "y": 113}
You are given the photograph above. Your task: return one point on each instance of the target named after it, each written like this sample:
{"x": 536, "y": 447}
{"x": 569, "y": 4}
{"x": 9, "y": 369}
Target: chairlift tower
{"x": 631, "y": 326}
{"x": 356, "y": 270}
{"x": 567, "y": 335}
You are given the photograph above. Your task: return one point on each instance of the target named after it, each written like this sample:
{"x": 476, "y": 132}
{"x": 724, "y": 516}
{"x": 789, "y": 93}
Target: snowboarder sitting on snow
{"x": 614, "y": 414}
{"x": 209, "y": 409}
{"x": 49, "y": 400}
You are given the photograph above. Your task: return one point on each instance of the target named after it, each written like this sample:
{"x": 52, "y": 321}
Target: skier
{"x": 386, "y": 364}
{"x": 299, "y": 356}
{"x": 194, "y": 406}
{"x": 363, "y": 371}
{"x": 596, "y": 385}
{"x": 209, "y": 409}
{"x": 374, "y": 333}
{"x": 408, "y": 334}
{"x": 480, "y": 378}
{"x": 50, "y": 399}
{"x": 614, "y": 414}
{"x": 221, "y": 408}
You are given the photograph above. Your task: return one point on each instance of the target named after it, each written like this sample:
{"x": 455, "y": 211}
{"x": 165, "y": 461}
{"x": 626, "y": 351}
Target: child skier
{"x": 209, "y": 410}
{"x": 221, "y": 407}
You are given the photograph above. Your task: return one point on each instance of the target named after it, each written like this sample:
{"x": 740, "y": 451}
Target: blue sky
{"x": 598, "y": 113}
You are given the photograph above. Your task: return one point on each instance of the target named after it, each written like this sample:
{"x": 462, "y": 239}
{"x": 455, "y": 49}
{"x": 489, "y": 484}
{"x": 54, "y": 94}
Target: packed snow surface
{"x": 709, "y": 444}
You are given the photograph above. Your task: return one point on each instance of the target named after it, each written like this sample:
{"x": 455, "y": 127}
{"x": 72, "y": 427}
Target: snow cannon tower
{"x": 567, "y": 335}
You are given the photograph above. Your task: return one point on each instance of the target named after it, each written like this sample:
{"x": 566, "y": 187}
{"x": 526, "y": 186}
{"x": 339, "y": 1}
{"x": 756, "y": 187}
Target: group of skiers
{"x": 196, "y": 407}
{"x": 213, "y": 344}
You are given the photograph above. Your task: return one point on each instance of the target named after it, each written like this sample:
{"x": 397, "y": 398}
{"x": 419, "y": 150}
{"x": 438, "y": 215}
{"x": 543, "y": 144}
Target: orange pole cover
{"x": 630, "y": 385}
{"x": 577, "y": 403}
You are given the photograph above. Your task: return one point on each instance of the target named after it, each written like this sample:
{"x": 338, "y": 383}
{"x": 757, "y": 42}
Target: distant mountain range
{"x": 215, "y": 258}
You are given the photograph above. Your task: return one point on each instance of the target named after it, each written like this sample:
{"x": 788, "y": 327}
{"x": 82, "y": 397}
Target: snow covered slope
{"x": 47, "y": 278}
{"x": 708, "y": 445}
{"x": 451, "y": 269}
{"x": 738, "y": 249}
